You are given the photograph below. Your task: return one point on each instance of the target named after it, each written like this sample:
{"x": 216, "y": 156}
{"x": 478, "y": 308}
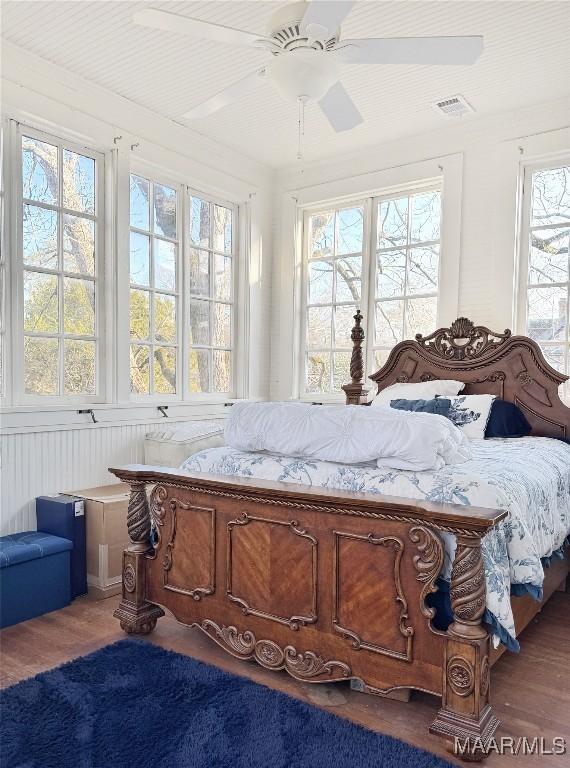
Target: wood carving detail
{"x": 485, "y": 676}
{"x": 129, "y": 578}
{"x": 138, "y": 517}
{"x": 201, "y": 590}
{"x": 462, "y": 340}
{"x": 305, "y": 665}
{"x": 467, "y": 590}
{"x": 295, "y": 621}
{"x": 460, "y": 676}
{"x": 428, "y": 563}
{"x": 357, "y": 642}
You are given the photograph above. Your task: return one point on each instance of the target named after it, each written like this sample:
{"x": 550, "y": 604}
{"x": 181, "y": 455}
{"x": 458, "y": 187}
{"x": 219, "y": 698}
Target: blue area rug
{"x": 134, "y": 704}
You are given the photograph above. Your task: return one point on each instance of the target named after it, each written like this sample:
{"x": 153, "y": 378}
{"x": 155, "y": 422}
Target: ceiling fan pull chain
{"x": 301, "y": 126}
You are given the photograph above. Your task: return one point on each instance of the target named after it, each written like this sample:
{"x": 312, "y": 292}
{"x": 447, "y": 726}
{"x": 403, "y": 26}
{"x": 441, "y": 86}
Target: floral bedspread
{"x": 529, "y": 477}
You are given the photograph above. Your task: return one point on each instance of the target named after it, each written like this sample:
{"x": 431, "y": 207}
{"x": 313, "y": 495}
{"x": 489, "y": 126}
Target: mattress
{"x": 527, "y": 477}
{"x": 169, "y": 447}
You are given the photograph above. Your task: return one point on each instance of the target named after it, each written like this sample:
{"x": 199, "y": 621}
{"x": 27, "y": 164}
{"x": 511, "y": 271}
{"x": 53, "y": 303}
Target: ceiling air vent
{"x": 454, "y": 106}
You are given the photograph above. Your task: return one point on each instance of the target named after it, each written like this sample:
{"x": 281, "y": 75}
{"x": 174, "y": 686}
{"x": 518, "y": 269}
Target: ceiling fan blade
{"x": 411, "y": 50}
{"x": 325, "y": 16}
{"x": 227, "y": 96}
{"x": 173, "y": 22}
{"x": 339, "y": 109}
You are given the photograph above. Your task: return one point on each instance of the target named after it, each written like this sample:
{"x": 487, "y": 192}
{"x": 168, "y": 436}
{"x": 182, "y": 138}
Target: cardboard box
{"x": 107, "y": 537}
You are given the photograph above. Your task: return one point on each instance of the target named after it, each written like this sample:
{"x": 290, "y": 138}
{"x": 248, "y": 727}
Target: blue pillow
{"x": 439, "y": 406}
{"x": 507, "y": 420}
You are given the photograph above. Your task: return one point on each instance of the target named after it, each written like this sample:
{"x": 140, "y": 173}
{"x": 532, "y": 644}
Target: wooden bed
{"x": 330, "y": 585}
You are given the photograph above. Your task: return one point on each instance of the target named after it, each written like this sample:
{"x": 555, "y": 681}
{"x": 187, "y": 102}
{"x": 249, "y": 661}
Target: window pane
{"x": 348, "y": 274}
{"x": 200, "y": 322}
{"x": 140, "y": 314}
{"x": 40, "y": 303}
{"x": 421, "y": 316}
{"x": 551, "y": 196}
{"x": 199, "y": 374}
{"x": 426, "y": 214}
{"x": 321, "y": 239}
{"x": 140, "y": 203}
{"x": 78, "y": 182}
{"x": 222, "y": 229}
{"x": 547, "y": 313}
{"x": 165, "y": 370}
{"x": 554, "y": 356}
{"x": 199, "y": 272}
{"x": 389, "y": 322}
{"x": 423, "y": 269}
{"x": 39, "y": 237}
{"x": 341, "y": 369}
{"x": 548, "y": 256}
{"x": 349, "y": 224}
{"x": 393, "y": 222}
{"x": 380, "y": 358}
{"x": 41, "y": 366}
{"x": 39, "y": 170}
{"x": 223, "y": 277}
{"x": 140, "y": 379}
{"x": 199, "y": 222}
{"x": 78, "y": 306}
{"x": 320, "y": 282}
{"x": 140, "y": 259}
{"x": 319, "y": 327}
{"x": 79, "y": 367}
{"x": 318, "y": 372}
{"x": 222, "y": 371}
{"x": 164, "y": 317}
{"x": 78, "y": 245}
{"x": 390, "y": 274}
{"x": 164, "y": 265}
{"x": 164, "y": 211}
{"x": 222, "y": 326}
{"x": 343, "y": 323}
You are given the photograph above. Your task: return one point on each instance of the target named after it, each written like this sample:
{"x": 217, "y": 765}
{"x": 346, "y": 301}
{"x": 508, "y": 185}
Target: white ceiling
{"x": 525, "y": 61}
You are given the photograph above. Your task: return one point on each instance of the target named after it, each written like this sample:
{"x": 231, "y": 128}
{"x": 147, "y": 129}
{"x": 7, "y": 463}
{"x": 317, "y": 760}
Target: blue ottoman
{"x": 34, "y": 575}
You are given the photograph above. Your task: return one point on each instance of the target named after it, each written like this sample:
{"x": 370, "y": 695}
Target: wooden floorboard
{"x": 531, "y": 690}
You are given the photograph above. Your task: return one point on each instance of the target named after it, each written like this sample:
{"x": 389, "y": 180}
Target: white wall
{"x": 57, "y": 449}
{"x": 493, "y": 152}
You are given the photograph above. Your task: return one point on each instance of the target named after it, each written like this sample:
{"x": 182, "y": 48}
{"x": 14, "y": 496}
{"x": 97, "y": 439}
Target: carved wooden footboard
{"x": 326, "y": 585}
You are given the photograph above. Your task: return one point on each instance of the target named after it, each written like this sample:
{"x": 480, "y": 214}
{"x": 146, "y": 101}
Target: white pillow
{"x": 471, "y": 413}
{"x": 422, "y": 390}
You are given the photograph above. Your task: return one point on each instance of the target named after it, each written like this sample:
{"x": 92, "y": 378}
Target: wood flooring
{"x": 530, "y": 691}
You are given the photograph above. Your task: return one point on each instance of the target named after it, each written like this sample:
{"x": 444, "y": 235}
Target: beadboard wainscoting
{"x": 39, "y": 463}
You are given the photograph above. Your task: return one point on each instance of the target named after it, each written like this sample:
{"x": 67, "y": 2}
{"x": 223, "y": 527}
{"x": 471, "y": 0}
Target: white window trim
{"x": 367, "y": 302}
{"x": 287, "y": 359}
{"x": 19, "y": 396}
{"x": 526, "y": 170}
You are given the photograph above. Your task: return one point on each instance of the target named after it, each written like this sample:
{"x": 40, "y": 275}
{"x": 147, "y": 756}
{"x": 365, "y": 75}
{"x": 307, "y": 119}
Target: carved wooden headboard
{"x": 511, "y": 367}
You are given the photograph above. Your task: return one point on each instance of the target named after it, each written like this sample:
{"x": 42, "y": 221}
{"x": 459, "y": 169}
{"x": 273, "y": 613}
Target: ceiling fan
{"x": 304, "y": 40}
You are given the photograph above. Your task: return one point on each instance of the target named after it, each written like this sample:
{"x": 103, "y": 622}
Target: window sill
{"x": 40, "y": 418}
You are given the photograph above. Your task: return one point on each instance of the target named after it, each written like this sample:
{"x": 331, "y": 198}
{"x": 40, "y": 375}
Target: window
{"x": 154, "y": 288}
{"x": 2, "y": 267}
{"x": 380, "y": 255}
{"x": 335, "y": 247}
{"x": 407, "y": 269}
{"x": 61, "y": 276}
{"x": 211, "y": 278}
{"x": 544, "y": 263}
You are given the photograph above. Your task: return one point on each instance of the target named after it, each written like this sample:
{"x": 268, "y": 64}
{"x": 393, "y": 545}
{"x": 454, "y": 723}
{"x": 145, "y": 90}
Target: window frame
{"x": 162, "y": 180}
{"x": 527, "y": 170}
{"x": 368, "y": 299}
{"x": 20, "y": 397}
{"x": 233, "y": 303}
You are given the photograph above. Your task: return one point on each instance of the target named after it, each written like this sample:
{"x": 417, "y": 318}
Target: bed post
{"x": 466, "y": 720}
{"x": 355, "y": 391}
{"x": 136, "y": 615}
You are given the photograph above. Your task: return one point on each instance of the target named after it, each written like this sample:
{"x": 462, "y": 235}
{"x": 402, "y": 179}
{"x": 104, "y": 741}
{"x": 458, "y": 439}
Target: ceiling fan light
{"x": 303, "y": 72}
